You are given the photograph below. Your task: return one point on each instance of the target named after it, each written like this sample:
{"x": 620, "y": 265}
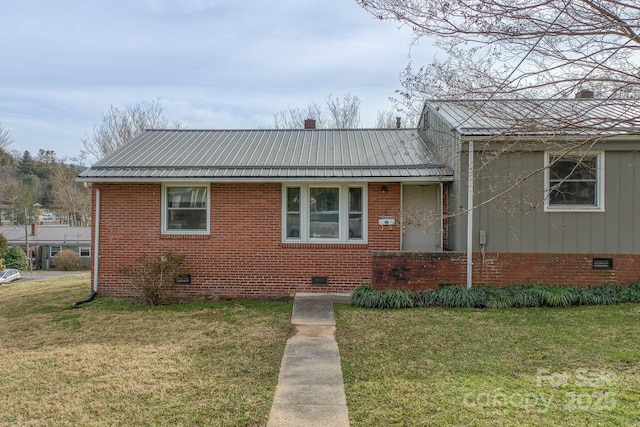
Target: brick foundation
{"x": 419, "y": 271}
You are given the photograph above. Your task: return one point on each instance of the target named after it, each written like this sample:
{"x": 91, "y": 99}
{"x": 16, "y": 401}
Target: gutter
{"x": 269, "y": 180}
{"x": 96, "y": 247}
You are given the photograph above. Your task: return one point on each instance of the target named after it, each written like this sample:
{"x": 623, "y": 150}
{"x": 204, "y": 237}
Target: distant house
{"x": 47, "y": 240}
{"x": 271, "y": 212}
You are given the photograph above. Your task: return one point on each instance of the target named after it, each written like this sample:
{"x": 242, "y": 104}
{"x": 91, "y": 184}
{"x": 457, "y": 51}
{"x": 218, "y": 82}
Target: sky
{"x": 214, "y": 64}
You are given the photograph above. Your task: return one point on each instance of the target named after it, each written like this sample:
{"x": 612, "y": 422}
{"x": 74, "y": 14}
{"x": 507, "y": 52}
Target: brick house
{"x": 263, "y": 212}
{"x": 271, "y": 212}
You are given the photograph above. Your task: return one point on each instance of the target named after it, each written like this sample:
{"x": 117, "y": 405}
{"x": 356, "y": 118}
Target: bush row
{"x": 537, "y": 295}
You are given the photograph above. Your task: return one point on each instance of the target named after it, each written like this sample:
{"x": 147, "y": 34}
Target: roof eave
{"x": 478, "y": 134}
{"x": 124, "y": 180}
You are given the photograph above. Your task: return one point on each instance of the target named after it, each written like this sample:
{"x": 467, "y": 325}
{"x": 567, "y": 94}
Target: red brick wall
{"x": 243, "y": 255}
{"x": 419, "y": 271}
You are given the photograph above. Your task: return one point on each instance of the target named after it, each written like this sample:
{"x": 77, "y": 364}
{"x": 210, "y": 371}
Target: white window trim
{"x": 343, "y": 214}
{"x": 163, "y": 215}
{"x": 51, "y": 254}
{"x": 599, "y": 207}
{"x": 88, "y": 248}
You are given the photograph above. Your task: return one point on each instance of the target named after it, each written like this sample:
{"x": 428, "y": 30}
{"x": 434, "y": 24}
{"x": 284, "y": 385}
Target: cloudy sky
{"x": 213, "y": 63}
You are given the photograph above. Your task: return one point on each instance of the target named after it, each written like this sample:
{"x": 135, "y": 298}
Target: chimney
{"x": 310, "y": 124}
{"x": 398, "y": 122}
{"x": 584, "y": 93}
{"x": 34, "y": 228}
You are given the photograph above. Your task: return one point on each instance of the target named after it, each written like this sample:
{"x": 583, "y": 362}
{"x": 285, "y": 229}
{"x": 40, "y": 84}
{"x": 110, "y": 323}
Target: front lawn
{"x": 116, "y": 363}
{"x": 467, "y": 367}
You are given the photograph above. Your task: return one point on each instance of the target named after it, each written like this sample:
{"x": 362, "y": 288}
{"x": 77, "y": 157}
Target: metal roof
{"x": 270, "y": 154}
{"x": 580, "y": 116}
{"x": 47, "y": 235}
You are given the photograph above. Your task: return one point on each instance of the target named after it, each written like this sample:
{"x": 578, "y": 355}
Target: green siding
{"x": 516, "y": 222}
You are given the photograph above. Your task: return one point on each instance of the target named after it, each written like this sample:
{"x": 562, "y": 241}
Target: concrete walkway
{"x": 310, "y": 390}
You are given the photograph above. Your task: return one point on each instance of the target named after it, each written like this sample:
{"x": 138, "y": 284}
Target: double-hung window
{"x": 574, "y": 182}
{"x": 185, "y": 209}
{"x": 324, "y": 213}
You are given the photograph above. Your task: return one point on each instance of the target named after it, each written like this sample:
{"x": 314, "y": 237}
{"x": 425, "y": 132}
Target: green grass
{"x": 466, "y": 367}
{"x": 112, "y": 362}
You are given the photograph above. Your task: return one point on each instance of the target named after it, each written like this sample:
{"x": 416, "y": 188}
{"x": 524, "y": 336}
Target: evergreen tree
{"x": 26, "y": 165}
{"x": 4, "y": 245}
{"x": 16, "y": 258}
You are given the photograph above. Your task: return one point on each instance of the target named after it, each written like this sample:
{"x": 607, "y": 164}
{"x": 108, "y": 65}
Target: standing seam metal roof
{"x": 582, "y": 116}
{"x": 272, "y": 154}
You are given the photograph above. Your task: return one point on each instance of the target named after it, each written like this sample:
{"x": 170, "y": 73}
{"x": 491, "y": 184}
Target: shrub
{"x": 600, "y": 295}
{"x": 398, "y": 298}
{"x": 361, "y": 296}
{"x": 632, "y": 293}
{"x": 153, "y": 277}
{"x": 555, "y": 295}
{"x": 586, "y": 296}
{"x": 498, "y": 298}
{"x": 523, "y": 296}
{"x": 426, "y": 299}
{"x": 16, "y": 258}
{"x": 364, "y": 296}
{"x": 66, "y": 260}
{"x": 452, "y": 296}
{"x": 610, "y": 294}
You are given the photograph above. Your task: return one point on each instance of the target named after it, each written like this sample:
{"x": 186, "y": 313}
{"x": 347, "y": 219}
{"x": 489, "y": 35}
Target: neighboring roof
{"x": 273, "y": 155}
{"x": 580, "y": 116}
{"x": 47, "y": 235}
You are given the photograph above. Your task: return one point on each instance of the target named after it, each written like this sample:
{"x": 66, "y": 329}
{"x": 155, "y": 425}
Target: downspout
{"x": 470, "y": 217}
{"x": 442, "y": 216}
{"x": 96, "y": 246}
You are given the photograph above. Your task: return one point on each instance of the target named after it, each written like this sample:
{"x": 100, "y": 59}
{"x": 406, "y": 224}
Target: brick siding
{"x": 420, "y": 271}
{"x": 243, "y": 256}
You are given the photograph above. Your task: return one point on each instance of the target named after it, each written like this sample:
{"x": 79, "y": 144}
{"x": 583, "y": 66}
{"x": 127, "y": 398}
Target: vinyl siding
{"x": 516, "y": 221}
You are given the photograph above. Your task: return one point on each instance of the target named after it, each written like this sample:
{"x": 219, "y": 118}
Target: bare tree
{"x": 7, "y": 166}
{"x": 344, "y": 113}
{"x": 25, "y": 210}
{"x": 5, "y": 138}
{"x": 536, "y": 53}
{"x": 293, "y": 118}
{"x": 523, "y": 49}
{"x": 391, "y": 119}
{"x": 70, "y": 197}
{"x": 120, "y": 125}
{"x": 520, "y": 48}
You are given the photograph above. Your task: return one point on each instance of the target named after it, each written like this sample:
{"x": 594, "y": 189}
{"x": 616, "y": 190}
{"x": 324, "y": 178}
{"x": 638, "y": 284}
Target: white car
{"x": 9, "y": 275}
